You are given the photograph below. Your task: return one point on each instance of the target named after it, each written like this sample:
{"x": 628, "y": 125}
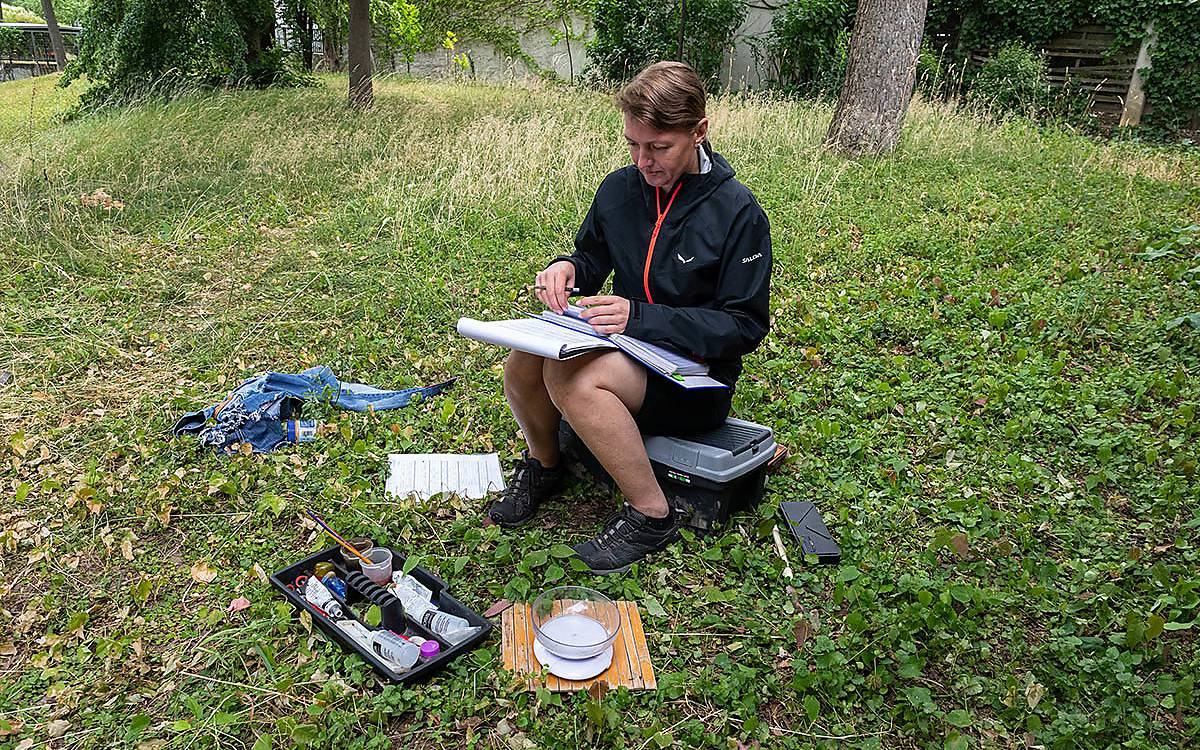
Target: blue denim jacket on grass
{"x": 254, "y": 412}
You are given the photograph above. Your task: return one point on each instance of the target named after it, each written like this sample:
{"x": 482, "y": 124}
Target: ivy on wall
{"x": 1172, "y": 83}
{"x": 805, "y": 32}
{"x": 499, "y": 23}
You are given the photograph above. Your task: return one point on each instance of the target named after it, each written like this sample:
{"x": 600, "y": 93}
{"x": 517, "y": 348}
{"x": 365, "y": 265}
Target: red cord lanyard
{"x": 654, "y": 237}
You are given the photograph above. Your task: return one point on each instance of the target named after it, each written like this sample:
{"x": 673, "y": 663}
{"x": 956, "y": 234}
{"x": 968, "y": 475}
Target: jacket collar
{"x": 696, "y": 188}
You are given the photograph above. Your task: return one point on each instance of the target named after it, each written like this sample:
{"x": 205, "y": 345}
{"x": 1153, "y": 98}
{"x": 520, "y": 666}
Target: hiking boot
{"x": 529, "y": 486}
{"x": 628, "y": 537}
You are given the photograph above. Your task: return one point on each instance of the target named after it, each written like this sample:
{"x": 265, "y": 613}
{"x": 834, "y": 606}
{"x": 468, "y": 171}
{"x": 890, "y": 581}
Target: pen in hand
{"x": 541, "y": 288}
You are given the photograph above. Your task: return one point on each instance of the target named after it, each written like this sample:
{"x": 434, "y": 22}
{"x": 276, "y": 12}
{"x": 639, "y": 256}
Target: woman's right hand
{"x": 556, "y": 278}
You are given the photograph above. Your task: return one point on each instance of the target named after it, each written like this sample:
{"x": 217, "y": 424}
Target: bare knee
{"x": 522, "y": 373}
{"x": 574, "y": 384}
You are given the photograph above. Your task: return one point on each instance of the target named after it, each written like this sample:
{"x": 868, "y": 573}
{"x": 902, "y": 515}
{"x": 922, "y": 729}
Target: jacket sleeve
{"x": 591, "y": 258}
{"x": 739, "y": 317}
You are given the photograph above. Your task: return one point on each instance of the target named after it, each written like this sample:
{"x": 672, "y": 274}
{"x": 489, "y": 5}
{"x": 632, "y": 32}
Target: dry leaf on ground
{"x": 202, "y": 573}
{"x": 99, "y": 198}
{"x": 57, "y": 728}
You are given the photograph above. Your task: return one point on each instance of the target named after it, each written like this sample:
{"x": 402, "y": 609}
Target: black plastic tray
{"x": 422, "y": 670}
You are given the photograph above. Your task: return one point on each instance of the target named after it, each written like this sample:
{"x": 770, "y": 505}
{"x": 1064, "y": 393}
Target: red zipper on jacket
{"x": 654, "y": 237}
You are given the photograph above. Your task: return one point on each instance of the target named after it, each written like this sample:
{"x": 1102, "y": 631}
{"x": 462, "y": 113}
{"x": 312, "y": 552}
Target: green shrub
{"x": 1014, "y": 81}
{"x": 631, "y": 35}
{"x": 1172, "y": 84}
{"x": 809, "y": 43}
{"x": 161, "y": 47}
{"x": 20, "y": 14}
{"x": 12, "y": 42}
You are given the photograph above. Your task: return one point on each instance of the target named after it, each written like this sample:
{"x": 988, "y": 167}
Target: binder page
{"x": 533, "y": 336}
{"x": 663, "y": 359}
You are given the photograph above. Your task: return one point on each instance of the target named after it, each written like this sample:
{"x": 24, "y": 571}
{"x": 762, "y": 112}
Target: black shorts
{"x": 670, "y": 409}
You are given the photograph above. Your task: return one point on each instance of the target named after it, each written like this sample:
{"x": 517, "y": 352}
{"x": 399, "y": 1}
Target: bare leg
{"x": 599, "y": 394}
{"x": 531, "y": 405}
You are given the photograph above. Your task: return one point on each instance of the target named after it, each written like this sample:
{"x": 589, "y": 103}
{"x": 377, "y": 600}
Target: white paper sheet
{"x": 532, "y": 335}
{"x": 427, "y": 474}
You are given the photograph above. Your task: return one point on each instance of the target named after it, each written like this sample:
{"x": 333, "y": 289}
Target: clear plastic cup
{"x": 380, "y": 569}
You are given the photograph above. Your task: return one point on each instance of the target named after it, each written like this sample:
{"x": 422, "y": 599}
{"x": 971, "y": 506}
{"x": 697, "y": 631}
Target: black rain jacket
{"x": 705, "y": 289}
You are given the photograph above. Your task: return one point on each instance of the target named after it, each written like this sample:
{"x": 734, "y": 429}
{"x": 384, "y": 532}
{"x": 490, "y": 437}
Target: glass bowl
{"x": 574, "y": 622}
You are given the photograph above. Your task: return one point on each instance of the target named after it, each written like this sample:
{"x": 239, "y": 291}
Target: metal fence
{"x": 25, "y": 49}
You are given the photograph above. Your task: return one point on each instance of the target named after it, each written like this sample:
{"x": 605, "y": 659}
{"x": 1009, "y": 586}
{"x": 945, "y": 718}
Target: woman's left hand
{"x": 606, "y": 313}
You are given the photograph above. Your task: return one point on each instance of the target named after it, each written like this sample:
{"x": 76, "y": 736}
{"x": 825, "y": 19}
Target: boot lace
{"x": 616, "y": 532}
{"x": 520, "y": 491}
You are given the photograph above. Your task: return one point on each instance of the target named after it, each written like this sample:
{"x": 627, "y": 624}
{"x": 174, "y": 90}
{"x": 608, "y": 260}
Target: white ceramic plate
{"x": 573, "y": 669}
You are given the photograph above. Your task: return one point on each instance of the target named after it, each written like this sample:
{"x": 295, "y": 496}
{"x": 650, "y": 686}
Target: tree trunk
{"x": 254, "y": 48}
{"x": 359, "y": 35}
{"x": 308, "y": 43}
{"x": 682, "y": 21}
{"x": 1135, "y": 97}
{"x": 304, "y": 32}
{"x": 331, "y": 52}
{"x": 880, "y": 73}
{"x": 56, "y": 42}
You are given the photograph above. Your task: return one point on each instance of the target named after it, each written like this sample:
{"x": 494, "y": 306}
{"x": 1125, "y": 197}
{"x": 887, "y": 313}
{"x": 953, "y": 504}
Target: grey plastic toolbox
{"x": 706, "y": 476}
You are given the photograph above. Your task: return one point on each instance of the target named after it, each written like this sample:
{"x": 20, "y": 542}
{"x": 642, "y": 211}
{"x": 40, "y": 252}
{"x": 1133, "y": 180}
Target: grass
{"x": 969, "y": 357}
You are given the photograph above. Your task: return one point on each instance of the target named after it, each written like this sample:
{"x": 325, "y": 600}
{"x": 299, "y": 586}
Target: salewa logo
{"x": 683, "y": 259}
{"x": 754, "y": 257}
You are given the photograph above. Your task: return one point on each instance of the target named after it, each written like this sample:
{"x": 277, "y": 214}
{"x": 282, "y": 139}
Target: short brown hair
{"x": 666, "y": 96}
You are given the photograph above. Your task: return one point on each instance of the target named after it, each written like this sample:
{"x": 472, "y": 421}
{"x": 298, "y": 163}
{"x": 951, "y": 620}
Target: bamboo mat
{"x": 630, "y": 667}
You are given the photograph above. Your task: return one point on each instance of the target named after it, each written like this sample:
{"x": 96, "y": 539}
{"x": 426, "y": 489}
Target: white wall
{"x": 491, "y": 65}
{"x": 739, "y": 70}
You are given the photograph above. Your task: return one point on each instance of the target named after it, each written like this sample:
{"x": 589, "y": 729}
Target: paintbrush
{"x": 337, "y": 538}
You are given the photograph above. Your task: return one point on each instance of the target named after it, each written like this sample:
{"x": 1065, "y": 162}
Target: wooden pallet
{"x": 630, "y": 667}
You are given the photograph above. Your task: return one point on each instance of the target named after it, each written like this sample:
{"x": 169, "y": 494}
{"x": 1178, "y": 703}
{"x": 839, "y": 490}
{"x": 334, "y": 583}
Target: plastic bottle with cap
{"x": 395, "y": 648}
{"x": 335, "y": 584}
{"x": 299, "y": 430}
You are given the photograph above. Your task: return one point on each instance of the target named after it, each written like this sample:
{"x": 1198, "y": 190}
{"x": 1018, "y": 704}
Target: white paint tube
{"x": 357, "y": 632}
{"x": 319, "y": 596}
{"x": 416, "y": 607}
{"x": 408, "y": 581}
{"x": 455, "y": 637}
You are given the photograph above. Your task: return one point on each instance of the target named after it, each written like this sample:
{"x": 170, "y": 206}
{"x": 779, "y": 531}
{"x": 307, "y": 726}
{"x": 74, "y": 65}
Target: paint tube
{"x": 418, "y": 608}
{"x": 357, "y": 632}
{"x": 455, "y": 637}
{"x": 403, "y": 579}
{"x": 319, "y": 596}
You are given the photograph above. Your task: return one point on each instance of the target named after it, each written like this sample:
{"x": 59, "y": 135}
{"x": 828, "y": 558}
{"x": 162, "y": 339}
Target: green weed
{"x": 971, "y": 358}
